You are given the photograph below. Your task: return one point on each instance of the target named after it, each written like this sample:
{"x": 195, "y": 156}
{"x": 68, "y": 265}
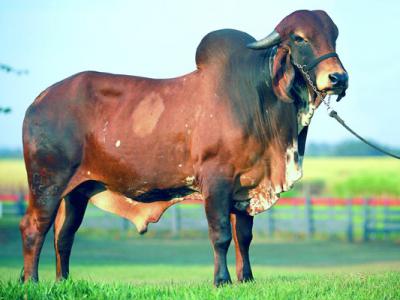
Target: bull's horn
{"x": 269, "y": 41}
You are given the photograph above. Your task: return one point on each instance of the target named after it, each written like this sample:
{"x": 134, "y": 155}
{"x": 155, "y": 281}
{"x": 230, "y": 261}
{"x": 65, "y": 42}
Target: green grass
{"x": 354, "y": 176}
{"x": 110, "y": 266}
{"x": 301, "y": 286}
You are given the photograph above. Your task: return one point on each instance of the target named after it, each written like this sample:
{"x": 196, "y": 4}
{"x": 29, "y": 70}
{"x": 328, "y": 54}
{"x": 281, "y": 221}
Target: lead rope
{"x": 333, "y": 114}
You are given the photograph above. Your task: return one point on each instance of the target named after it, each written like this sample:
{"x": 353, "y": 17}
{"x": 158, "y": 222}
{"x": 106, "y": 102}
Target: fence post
{"x": 350, "y": 225}
{"x": 309, "y": 217}
{"x": 386, "y": 218}
{"x": 366, "y": 220}
{"x": 20, "y": 203}
{"x": 176, "y": 220}
{"x": 331, "y": 216}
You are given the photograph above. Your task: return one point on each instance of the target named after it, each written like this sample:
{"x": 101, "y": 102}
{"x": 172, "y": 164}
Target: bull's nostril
{"x": 338, "y": 79}
{"x": 333, "y": 78}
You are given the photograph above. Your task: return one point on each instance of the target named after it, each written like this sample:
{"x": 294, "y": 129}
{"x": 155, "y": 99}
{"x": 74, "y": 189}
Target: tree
{"x": 9, "y": 69}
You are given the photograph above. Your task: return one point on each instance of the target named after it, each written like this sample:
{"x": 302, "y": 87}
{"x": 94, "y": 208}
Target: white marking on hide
{"x": 278, "y": 189}
{"x": 147, "y": 114}
{"x": 105, "y": 131}
{"x": 262, "y": 198}
{"x": 117, "y": 143}
{"x": 293, "y": 168}
{"x": 190, "y": 180}
{"x": 305, "y": 114}
{"x": 105, "y": 126}
{"x": 266, "y": 194}
{"x": 180, "y": 165}
{"x": 88, "y": 172}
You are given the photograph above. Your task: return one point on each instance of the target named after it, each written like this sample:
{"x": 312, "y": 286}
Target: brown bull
{"x": 232, "y": 132}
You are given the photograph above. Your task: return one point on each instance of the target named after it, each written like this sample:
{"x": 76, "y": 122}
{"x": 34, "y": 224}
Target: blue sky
{"x": 55, "y": 39}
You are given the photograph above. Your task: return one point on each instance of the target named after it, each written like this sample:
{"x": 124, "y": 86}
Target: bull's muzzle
{"x": 339, "y": 80}
{"x": 338, "y": 84}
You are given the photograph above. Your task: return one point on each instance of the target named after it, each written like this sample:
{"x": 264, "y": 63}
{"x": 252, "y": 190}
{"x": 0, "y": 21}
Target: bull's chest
{"x": 259, "y": 188}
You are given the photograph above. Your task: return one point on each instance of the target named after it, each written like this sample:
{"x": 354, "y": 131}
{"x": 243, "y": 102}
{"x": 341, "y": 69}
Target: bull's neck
{"x": 248, "y": 86}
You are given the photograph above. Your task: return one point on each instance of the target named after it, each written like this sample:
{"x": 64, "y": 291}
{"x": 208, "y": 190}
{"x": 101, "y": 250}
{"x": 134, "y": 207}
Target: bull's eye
{"x": 298, "y": 39}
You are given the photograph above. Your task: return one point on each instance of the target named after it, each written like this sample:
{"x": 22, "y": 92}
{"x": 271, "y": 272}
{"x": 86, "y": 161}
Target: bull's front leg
{"x": 242, "y": 226}
{"x": 217, "y": 206}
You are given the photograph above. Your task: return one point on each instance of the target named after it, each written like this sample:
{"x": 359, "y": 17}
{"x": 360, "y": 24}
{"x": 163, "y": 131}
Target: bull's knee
{"x": 222, "y": 241}
{"x": 29, "y": 233}
{"x": 24, "y": 223}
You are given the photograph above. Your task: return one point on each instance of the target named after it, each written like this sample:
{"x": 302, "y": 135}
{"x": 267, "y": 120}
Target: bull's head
{"x": 308, "y": 39}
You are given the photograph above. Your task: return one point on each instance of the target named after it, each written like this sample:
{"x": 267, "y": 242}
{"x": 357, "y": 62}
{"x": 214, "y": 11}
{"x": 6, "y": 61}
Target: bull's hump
{"x": 217, "y": 46}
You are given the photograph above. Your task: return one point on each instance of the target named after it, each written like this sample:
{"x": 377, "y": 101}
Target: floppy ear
{"x": 282, "y": 74}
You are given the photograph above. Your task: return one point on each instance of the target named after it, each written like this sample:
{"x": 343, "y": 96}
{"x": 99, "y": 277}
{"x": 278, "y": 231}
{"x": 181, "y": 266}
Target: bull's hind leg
{"x": 34, "y": 226}
{"x": 242, "y": 226}
{"x": 69, "y": 218}
{"x": 47, "y": 183}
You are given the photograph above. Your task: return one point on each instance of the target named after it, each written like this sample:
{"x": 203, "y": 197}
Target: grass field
{"x": 141, "y": 267}
{"x": 342, "y": 177}
{"x": 355, "y": 176}
{"x": 111, "y": 264}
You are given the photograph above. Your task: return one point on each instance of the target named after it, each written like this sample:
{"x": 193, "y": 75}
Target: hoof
{"x": 249, "y": 278}
{"x": 222, "y": 282}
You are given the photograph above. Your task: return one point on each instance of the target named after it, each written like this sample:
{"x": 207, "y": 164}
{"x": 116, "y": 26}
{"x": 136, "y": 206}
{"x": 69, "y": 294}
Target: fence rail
{"x": 356, "y": 217}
